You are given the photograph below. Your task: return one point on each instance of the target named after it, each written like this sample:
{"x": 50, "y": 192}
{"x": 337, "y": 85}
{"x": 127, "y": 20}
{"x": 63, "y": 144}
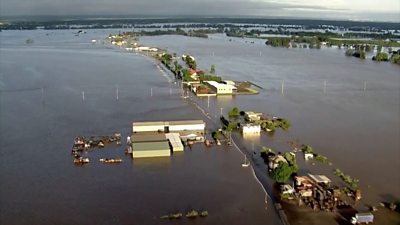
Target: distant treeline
{"x": 177, "y": 31}
{"x": 59, "y": 23}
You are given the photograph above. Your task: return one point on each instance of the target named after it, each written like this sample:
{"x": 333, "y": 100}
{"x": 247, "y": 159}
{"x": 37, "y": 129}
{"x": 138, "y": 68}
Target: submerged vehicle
{"x": 111, "y": 160}
{"x": 81, "y": 160}
{"x": 362, "y": 218}
{"x": 192, "y": 214}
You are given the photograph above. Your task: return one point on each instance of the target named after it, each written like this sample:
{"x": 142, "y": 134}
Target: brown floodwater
{"x": 42, "y": 110}
{"x": 324, "y": 99}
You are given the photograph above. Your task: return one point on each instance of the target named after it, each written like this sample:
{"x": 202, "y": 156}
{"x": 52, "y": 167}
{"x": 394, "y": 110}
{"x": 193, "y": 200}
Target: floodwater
{"x": 345, "y": 108}
{"x": 62, "y": 86}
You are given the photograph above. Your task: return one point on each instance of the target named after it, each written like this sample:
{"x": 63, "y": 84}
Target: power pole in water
{"x": 221, "y": 111}
{"x": 151, "y": 92}
{"x": 43, "y": 96}
{"x": 117, "y": 92}
{"x": 283, "y": 84}
{"x": 83, "y": 96}
{"x": 365, "y": 86}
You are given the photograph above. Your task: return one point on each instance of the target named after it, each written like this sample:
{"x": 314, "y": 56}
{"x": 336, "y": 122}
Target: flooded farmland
{"x": 347, "y": 109}
{"x": 62, "y": 86}
{"x": 42, "y": 109}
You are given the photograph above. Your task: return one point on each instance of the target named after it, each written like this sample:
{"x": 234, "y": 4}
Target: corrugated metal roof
{"x": 150, "y": 146}
{"x": 186, "y": 122}
{"x": 148, "y": 137}
{"x": 320, "y": 178}
{"x": 173, "y": 137}
{"x": 150, "y": 123}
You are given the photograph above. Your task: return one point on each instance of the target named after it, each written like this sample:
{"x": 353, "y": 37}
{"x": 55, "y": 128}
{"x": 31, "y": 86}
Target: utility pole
{"x": 365, "y": 86}
{"x": 283, "y": 84}
{"x": 83, "y": 96}
{"x": 43, "y": 96}
{"x": 221, "y": 111}
{"x": 117, "y": 92}
{"x": 151, "y": 92}
{"x": 208, "y": 101}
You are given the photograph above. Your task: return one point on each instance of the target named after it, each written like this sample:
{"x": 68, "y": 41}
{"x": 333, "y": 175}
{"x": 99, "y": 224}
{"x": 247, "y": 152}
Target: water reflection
{"x": 154, "y": 164}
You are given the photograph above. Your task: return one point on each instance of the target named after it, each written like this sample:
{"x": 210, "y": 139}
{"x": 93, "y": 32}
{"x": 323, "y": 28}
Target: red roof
{"x": 192, "y": 71}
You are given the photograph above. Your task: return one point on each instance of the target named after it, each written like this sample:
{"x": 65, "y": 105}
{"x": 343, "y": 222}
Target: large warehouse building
{"x": 149, "y": 145}
{"x": 150, "y": 149}
{"x": 155, "y": 139}
{"x": 169, "y": 126}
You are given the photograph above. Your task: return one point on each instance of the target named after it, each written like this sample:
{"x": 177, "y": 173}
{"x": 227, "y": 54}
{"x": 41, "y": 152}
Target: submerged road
{"x": 258, "y": 168}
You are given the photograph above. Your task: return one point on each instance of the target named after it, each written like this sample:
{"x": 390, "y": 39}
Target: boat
{"x": 192, "y": 214}
{"x": 81, "y": 160}
{"x": 111, "y": 160}
{"x": 246, "y": 162}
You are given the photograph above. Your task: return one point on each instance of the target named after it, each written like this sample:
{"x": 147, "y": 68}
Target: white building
{"x": 186, "y": 125}
{"x": 251, "y": 129}
{"x": 252, "y": 116}
{"x": 148, "y": 127}
{"x": 175, "y": 141}
{"x": 169, "y": 126}
{"x": 229, "y": 82}
{"x": 275, "y": 160}
{"x": 144, "y": 48}
{"x": 220, "y": 88}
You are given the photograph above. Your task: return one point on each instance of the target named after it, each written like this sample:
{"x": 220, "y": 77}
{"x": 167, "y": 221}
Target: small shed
{"x": 175, "y": 142}
{"x": 320, "y": 179}
{"x": 251, "y": 129}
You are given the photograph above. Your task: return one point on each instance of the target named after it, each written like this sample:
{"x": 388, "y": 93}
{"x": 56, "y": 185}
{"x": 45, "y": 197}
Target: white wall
{"x": 186, "y": 127}
{"x": 154, "y": 128}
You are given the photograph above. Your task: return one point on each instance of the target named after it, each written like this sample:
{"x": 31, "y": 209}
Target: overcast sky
{"x": 382, "y": 10}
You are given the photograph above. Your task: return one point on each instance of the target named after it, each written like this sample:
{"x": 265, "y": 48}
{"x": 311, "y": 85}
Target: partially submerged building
{"x": 155, "y": 139}
{"x": 320, "y": 179}
{"x": 197, "y": 126}
{"x": 149, "y": 145}
{"x": 275, "y": 160}
{"x": 251, "y": 129}
{"x": 175, "y": 142}
{"x": 150, "y": 149}
{"x": 221, "y": 88}
{"x": 252, "y": 116}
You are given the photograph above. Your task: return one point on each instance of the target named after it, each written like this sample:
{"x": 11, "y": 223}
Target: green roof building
{"x": 150, "y": 149}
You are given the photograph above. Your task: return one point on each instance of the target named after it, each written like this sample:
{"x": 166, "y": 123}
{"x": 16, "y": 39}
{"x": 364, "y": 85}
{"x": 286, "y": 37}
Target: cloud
{"x": 289, "y": 8}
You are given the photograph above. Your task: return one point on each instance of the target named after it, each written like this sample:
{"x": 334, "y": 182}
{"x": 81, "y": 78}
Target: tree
{"x": 270, "y": 125}
{"x": 284, "y": 124}
{"x": 380, "y": 56}
{"x": 234, "y": 112}
{"x": 191, "y": 63}
{"x": 362, "y": 55}
{"x": 349, "y": 52}
{"x": 307, "y": 149}
{"x": 395, "y": 58}
{"x": 212, "y": 69}
{"x": 231, "y": 126}
{"x": 368, "y": 48}
{"x": 281, "y": 173}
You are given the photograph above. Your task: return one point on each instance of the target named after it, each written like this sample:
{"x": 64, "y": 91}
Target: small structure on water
{"x": 251, "y": 129}
{"x": 221, "y": 88}
{"x": 252, "y": 116}
{"x": 275, "y": 160}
